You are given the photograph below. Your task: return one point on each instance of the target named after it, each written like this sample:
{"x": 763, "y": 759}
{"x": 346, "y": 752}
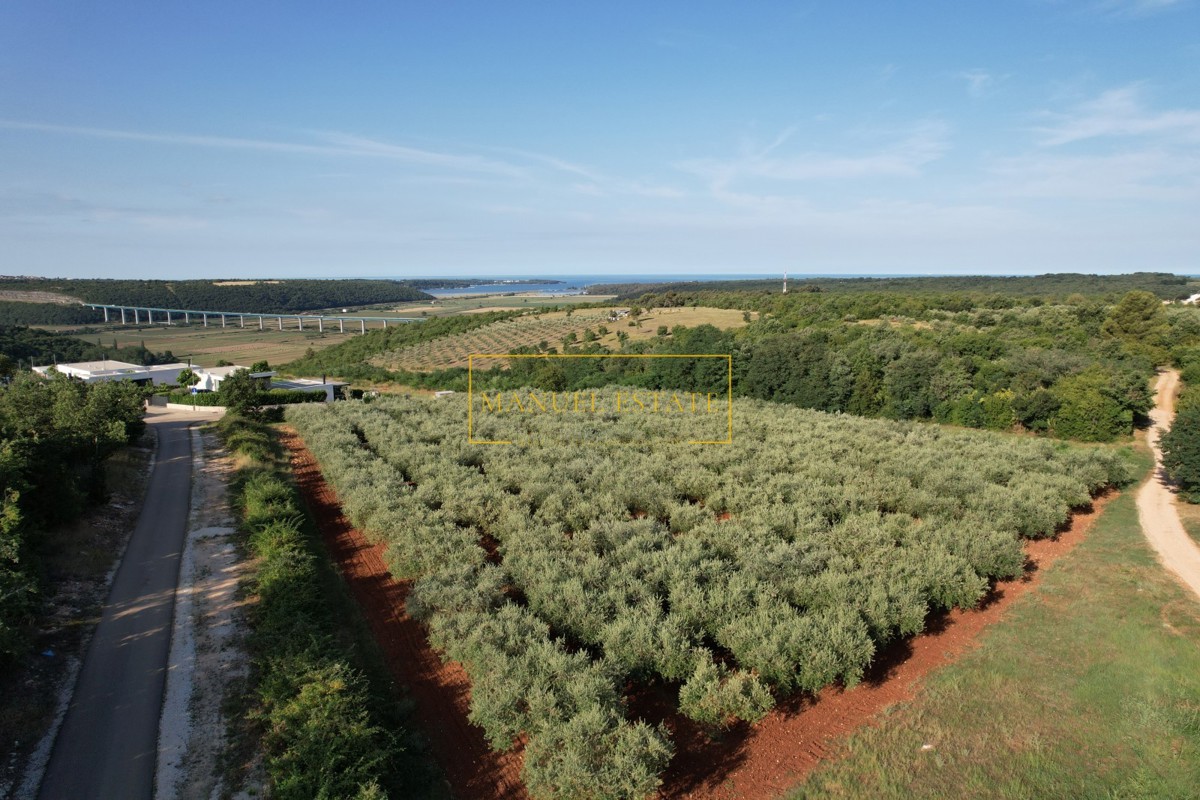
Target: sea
{"x": 562, "y": 285}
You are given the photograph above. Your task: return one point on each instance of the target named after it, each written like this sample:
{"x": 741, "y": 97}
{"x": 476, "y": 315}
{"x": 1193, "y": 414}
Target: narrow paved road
{"x": 106, "y": 747}
{"x": 1156, "y": 500}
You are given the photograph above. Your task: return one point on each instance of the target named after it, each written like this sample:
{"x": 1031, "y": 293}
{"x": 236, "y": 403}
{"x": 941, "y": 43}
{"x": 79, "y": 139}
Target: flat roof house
{"x": 109, "y": 370}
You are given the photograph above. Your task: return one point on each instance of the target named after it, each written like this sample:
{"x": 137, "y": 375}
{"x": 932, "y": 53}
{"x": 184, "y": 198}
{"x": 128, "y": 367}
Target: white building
{"x": 309, "y": 385}
{"x": 211, "y": 377}
{"x": 108, "y": 370}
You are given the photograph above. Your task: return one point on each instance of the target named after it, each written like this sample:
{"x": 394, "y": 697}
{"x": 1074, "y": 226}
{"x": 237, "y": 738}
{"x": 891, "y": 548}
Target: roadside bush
{"x": 321, "y": 732}
{"x": 1181, "y": 452}
{"x": 320, "y": 740}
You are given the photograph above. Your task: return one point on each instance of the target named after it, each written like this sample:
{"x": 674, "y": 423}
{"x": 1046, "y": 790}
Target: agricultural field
{"x": 208, "y": 345}
{"x": 499, "y": 337}
{"x": 549, "y": 330}
{"x": 567, "y": 578}
{"x": 478, "y": 304}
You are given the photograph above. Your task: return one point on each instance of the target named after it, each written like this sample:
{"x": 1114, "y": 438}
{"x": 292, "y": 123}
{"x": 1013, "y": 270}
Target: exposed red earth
{"x": 441, "y": 691}
{"x": 751, "y": 762}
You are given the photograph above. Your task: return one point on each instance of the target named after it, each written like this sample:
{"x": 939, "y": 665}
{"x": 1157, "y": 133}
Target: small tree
{"x": 1181, "y": 453}
{"x": 187, "y": 377}
{"x": 241, "y": 394}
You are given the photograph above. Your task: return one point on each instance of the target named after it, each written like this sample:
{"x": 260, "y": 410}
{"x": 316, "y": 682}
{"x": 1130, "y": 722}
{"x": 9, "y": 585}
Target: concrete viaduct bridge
{"x": 140, "y": 315}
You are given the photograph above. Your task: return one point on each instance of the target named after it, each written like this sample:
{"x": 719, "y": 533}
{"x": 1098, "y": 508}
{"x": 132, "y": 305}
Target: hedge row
{"x": 272, "y": 397}
{"x": 321, "y": 733}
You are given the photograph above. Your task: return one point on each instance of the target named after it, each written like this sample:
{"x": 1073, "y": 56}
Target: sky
{"x": 403, "y": 139}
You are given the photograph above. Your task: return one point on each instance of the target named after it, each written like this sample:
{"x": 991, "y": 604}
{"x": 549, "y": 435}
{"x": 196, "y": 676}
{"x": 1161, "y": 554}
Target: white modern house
{"x": 309, "y": 385}
{"x": 109, "y": 370}
{"x": 211, "y": 377}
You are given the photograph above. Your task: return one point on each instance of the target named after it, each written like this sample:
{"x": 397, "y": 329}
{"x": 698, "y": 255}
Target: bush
{"x": 1181, "y": 452}
{"x": 322, "y": 733}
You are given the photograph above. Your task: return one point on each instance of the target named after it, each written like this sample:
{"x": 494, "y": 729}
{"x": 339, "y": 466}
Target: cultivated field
{"x": 1089, "y": 687}
{"x": 569, "y": 579}
{"x": 493, "y": 302}
{"x": 550, "y": 329}
{"x": 208, "y": 345}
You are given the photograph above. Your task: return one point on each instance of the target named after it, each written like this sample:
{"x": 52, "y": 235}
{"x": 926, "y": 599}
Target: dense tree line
{"x": 284, "y": 296}
{"x": 738, "y": 573}
{"x": 1054, "y": 285}
{"x": 1076, "y": 370}
{"x": 54, "y": 437}
{"x": 48, "y": 314}
{"x": 20, "y": 346}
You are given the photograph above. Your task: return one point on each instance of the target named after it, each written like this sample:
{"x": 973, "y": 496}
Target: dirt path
{"x": 1156, "y": 499}
{"x": 441, "y": 690}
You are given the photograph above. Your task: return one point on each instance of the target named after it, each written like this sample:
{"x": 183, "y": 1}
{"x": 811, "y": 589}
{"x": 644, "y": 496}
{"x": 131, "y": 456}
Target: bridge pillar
{"x": 280, "y": 323}
{"x": 106, "y": 313}
{"x": 222, "y": 320}
{"x": 300, "y": 322}
{"x": 385, "y": 324}
{"x": 260, "y": 322}
{"x": 342, "y": 325}
{"x": 320, "y": 324}
{"x": 363, "y": 322}
{"x": 187, "y": 318}
{"x": 122, "y": 316}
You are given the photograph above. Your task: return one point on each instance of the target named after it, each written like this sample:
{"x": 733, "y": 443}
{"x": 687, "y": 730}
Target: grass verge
{"x": 1089, "y": 688}
{"x": 330, "y": 721}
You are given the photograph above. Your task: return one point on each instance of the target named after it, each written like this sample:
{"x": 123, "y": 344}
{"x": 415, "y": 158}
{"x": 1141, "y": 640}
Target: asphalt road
{"x": 107, "y": 745}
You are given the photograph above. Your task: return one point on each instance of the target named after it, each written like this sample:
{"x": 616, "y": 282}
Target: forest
{"x": 21, "y": 346}
{"x": 274, "y": 296}
{"x": 734, "y": 575}
{"x": 54, "y": 436}
{"x": 1078, "y": 369}
{"x": 1057, "y": 286}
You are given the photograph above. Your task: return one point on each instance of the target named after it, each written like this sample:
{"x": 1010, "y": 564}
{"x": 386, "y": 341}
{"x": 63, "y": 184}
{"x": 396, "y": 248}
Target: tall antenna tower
{"x": 785, "y": 283}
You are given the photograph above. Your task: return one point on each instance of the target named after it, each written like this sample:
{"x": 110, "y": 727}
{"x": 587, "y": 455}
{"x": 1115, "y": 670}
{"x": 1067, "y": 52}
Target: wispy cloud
{"x": 980, "y": 81}
{"x": 327, "y": 144}
{"x": 1136, "y": 8}
{"x": 1119, "y": 112}
{"x": 923, "y": 144}
{"x": 1144, "y": 175}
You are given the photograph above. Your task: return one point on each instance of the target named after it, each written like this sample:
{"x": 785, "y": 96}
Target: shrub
{"x": 1181, "y": 452}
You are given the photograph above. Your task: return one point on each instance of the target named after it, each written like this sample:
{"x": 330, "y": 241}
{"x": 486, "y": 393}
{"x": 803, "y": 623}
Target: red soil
{"x": 752, "y": 762}
{"x": 441, "y": 690}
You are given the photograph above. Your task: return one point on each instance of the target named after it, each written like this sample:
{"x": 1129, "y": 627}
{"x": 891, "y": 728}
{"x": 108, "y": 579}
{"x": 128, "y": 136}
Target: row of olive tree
{"x": 779, "y": 563}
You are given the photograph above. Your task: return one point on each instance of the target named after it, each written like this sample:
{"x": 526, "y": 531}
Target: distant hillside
{"x": 269, "y": 296}
{"x": 1057, "y": 285}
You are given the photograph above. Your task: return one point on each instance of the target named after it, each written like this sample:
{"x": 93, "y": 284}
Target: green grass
{"x": 1089, "y": 687}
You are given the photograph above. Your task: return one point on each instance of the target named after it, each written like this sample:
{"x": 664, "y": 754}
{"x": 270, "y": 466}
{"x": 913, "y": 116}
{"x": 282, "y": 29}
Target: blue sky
{"x": 274, "y": 139}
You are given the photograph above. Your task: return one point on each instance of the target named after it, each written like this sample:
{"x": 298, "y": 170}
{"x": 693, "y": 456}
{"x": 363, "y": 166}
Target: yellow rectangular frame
{"x": 471, "y": 392}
